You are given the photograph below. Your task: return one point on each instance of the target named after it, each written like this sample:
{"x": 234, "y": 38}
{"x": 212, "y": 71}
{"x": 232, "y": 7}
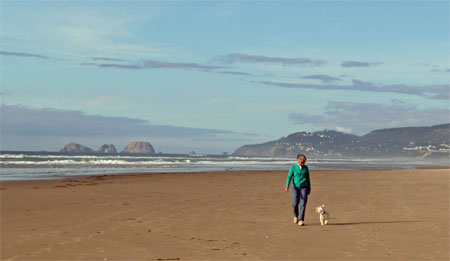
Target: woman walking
{"x": 301, "y": 187}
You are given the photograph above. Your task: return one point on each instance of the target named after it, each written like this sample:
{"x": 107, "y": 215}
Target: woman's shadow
{"x": 373, "y": 222}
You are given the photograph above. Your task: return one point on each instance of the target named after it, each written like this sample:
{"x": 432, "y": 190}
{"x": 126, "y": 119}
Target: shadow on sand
{"x": 372, "y": 222}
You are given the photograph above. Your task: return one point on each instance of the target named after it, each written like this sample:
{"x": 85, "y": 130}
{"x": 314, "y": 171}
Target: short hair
{"x": 301, "y": 156}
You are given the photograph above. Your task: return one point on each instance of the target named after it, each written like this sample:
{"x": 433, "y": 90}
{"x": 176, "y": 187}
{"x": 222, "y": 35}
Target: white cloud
{"x": 78, "y": 32}
{"x": 102, "y": 101}
{"x": 343, "y": 129}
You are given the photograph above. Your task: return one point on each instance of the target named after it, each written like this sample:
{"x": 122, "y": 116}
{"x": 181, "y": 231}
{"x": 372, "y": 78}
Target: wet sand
{"x": 243, "y": 215}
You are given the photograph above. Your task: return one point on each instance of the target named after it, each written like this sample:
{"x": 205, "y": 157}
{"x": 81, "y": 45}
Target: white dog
{"x": 323, "y": 214}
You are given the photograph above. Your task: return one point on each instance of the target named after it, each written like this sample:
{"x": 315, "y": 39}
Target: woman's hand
{"x": 286, "y": 189}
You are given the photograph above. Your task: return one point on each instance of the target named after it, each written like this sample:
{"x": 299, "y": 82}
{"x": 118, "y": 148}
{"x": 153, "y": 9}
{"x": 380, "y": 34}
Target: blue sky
{"x": 214, "y": 75}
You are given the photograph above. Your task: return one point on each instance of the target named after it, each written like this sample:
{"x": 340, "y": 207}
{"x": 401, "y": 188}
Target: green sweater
{"x": 299, "y": 177}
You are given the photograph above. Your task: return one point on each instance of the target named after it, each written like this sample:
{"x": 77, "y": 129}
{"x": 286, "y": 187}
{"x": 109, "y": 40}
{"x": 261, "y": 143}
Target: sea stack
{"x": 75, "y": 148}
{"x": 139, "y": 147}
{"x": 107, "y": 149}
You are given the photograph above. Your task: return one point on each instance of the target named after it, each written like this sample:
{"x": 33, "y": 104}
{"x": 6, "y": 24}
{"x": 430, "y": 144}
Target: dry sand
{"x": 375, "y": 215}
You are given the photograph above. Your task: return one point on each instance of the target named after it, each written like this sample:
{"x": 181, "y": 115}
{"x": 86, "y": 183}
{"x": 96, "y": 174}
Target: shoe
{"x": 301, "y": 223}
{"x": 295, "y": 220}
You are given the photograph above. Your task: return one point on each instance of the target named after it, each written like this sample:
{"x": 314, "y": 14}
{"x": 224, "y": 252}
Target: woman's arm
{"x": 289, "y": 178}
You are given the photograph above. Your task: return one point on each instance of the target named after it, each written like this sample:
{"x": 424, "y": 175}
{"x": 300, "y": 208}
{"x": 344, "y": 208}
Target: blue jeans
{"x": 299, "y": 196}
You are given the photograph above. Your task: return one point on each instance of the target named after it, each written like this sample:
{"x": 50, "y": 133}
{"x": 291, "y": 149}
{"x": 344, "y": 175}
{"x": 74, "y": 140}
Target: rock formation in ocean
{"x": 139, "y": 147}
{"x": 75, "y": 148}
{"x": 107, "y": 148}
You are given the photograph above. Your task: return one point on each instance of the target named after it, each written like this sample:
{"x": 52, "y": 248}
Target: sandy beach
{"x": 242, "y": 215}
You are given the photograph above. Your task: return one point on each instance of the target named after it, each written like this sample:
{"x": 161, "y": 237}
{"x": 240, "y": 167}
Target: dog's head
{"x": 320, "y": 209}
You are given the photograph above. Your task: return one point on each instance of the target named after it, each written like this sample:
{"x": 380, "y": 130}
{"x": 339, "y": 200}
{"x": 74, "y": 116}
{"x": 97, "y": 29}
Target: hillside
{"x": 431, "y": 141}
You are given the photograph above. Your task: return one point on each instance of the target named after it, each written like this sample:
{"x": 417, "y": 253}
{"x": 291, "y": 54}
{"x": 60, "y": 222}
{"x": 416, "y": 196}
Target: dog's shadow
{"x": 374, "y": 222}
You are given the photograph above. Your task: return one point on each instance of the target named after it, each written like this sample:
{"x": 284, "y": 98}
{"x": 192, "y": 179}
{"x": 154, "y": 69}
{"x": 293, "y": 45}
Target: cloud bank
{"x": 152, "y": 64}
{"x": 236, "y": 73}
{"x": 107, "y": 59}
{"x": 22, "y": 121}
{"x": 352, "y": 64}
{"x": 249, "y": 58}
{"x": 20, "y": 124}
{"x": 439, "y": 92}
{"x": 360, "y": 118}
{"x": 20, "y": 54}
{"x": 322, "y": 77}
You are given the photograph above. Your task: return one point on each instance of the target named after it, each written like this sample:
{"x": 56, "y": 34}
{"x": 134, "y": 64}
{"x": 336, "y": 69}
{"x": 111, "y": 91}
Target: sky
{"x": 211, "y": 76}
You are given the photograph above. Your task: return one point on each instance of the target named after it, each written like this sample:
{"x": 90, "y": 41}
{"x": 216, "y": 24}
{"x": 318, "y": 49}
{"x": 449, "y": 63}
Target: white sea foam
{"x": 43, "y": 165}
{"x": 11, "y": 156}
{"x": 41, "y": 160}
{"x": 141, "y": 162}
{"x": 89, "y": 162}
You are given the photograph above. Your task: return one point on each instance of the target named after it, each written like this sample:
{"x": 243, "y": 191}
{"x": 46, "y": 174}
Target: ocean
{"x": 53, "y": 165}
